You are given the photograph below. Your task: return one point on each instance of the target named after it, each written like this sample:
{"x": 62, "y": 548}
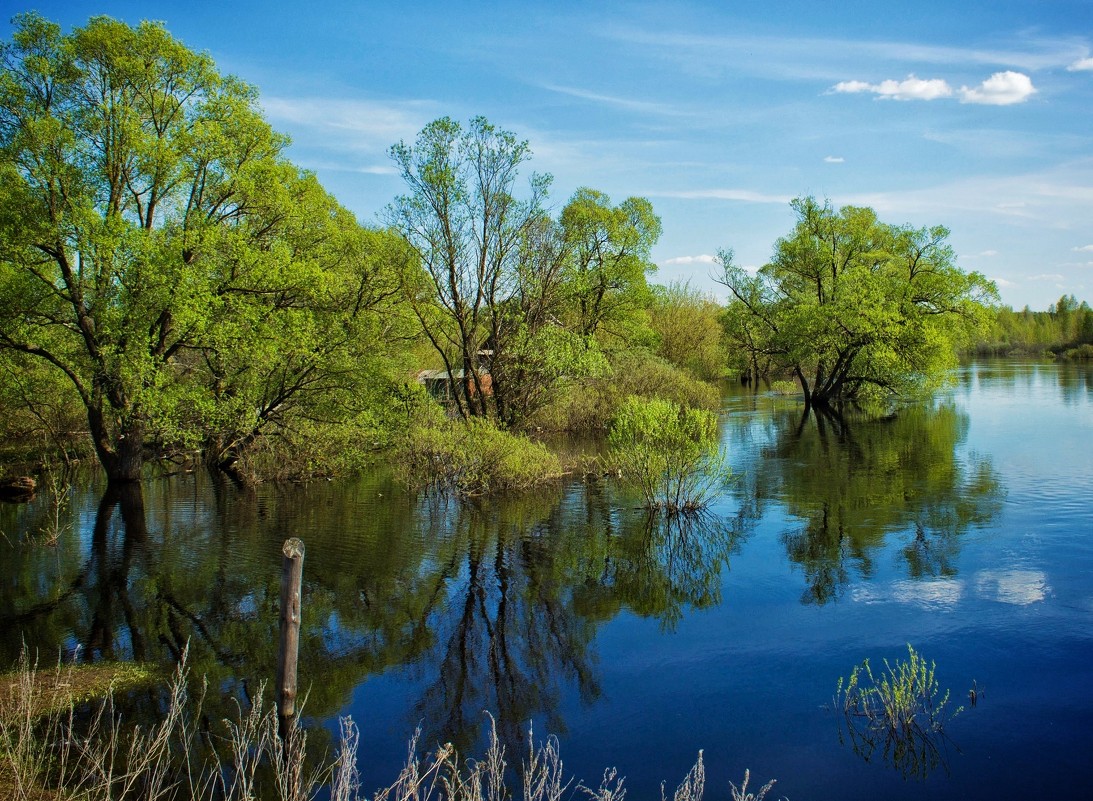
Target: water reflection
{"x": 492, "y": 606}
{"x": 514, "y": 624}
{"x": 853, "y": 481}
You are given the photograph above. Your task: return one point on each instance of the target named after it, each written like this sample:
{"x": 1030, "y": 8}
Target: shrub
{"x": 902, "y": 709}
{"x": 669, "y": 452}
{"x": 473, "y": 458}
{"x": 592, "y": 403}
{"x": 1082, "y": 353}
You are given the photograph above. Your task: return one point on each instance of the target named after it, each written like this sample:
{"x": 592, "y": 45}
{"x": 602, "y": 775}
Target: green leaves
{"x": 157, "y": 249}
{"x": 669, "y": 452}
{"x": 856, "y": 308}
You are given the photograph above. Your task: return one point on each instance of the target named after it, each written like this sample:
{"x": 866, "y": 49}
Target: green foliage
{"x": 1084, "y": 353}
{"x": 669, "y": 452}
{"x": 41, "y": 416}
{"x": 592, "y": 402}
{"x": 473, "y": 458}
{"x": 903, "y": 706}
{"x": 463, "y": 221}
{"x": 1066, "y": 325}
{"x": 158, "y": 254}
{"x": 604, "y": 284}
{"x": 506, "y": 289}
{"x": 689, "y": 333}
{"x": 856, "y": 308}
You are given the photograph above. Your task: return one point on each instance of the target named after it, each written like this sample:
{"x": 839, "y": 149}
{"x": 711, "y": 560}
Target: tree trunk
{"x": 122, "y": 456}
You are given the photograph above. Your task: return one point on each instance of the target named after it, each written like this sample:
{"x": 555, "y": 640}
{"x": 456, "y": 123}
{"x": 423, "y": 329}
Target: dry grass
{"x": 50, "y": 750}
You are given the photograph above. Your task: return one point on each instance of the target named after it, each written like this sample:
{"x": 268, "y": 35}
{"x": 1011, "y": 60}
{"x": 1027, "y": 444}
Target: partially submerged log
{"x": 17, "y": 488}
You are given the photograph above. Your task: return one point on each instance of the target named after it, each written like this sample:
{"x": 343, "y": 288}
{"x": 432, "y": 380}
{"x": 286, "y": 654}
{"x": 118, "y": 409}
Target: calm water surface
{"x": 962, "y": 527}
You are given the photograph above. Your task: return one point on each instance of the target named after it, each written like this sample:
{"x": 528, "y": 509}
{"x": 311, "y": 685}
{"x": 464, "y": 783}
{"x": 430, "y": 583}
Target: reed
{"x": 50, "y": 750}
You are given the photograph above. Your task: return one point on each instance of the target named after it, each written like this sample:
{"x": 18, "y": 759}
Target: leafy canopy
{"x": 855, "y": 307}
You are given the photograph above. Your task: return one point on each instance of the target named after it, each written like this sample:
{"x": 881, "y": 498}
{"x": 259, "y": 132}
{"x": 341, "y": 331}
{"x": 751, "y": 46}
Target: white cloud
{"x": 1001, "y": 89}
{"x": 1081, "y": 65}
{"x": 911, "y": 88}
{"x": 1003, "y": 282}
{"x": 1046, "y": 277}
{"x": 704, "y": 258}
{"x": 834, "y": 159}
{"x": 1083, "y": 249}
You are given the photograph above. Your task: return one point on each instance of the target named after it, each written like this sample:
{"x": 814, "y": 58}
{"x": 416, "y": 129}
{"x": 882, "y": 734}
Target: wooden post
{"x": 292, "y": 574}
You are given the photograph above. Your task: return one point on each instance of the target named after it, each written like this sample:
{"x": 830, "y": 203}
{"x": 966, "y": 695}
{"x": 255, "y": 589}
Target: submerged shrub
{"x": 474, "y": 458}
{"x": 902, "y": 709}
{"x": 669, "y": 452}
{"x": 904, "y": 697}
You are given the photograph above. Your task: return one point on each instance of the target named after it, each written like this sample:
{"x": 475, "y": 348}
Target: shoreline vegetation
{"x": 62, "y": 738}
{"x": 186, "y": 295}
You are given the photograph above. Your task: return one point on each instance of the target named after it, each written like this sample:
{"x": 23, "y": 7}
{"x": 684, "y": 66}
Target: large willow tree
{"x": 157, "y": 249}
{"x": 853, "y": 307}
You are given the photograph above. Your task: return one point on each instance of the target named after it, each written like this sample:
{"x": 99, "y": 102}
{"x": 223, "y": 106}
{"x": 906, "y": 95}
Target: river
{"x": 962, "y": 527}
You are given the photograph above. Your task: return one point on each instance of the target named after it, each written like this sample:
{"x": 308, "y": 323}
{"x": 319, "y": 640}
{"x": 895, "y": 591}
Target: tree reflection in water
{"x": 854, "y": 480}
{"x": 493, "y": 606}
{"x": 530, "y": 584}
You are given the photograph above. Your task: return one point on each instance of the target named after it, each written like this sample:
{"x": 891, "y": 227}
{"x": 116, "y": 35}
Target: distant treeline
{"x": 1063, "y": 329}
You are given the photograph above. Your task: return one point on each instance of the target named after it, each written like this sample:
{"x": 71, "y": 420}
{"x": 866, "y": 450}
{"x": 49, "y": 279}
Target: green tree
{"x": 156, "y": 249}
{"x": 854, "y": 307}
{"x": 609, "y": 259}
{"x": 465, "y": 224}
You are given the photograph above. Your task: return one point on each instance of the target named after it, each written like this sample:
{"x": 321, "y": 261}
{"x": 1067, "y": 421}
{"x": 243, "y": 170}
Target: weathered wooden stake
{"x": 292, "y": 574}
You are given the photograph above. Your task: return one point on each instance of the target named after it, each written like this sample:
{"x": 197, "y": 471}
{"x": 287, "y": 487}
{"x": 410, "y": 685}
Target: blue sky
{"x": 977, "y": 118}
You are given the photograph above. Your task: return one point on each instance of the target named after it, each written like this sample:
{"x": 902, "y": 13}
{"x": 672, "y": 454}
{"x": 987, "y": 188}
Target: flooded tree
{"x": 856, "y": 308}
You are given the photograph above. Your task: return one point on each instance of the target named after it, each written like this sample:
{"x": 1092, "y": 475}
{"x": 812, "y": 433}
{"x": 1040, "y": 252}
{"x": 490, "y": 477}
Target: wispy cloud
{"x": 627, "y": 104}
{"x": 352, "y": 123}
{"x": 742, "y": 195}
{"x": 823, "y": 58}
{"x": 1002, "y": 282}
{"x": 1046, "y": 277}
{"x": 1083, "y": 249}
{"x": 1060, "y": 197}
{"x": 834, "y": 159}
{"x": 1081, "y": 65}
{"x": 911, "y": 88}
{"x": 1001, "y": 89}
